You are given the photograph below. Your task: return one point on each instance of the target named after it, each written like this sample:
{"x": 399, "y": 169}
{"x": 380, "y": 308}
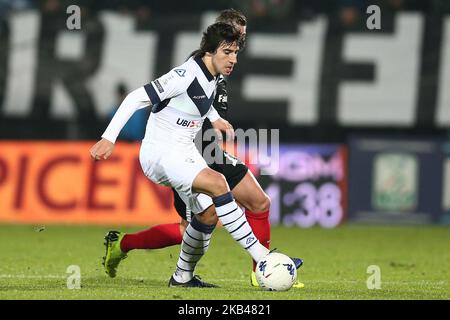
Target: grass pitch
{"x": 414, "y": 264}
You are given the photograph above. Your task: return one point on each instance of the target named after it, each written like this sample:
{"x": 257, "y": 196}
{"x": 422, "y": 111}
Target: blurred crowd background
{"x": 167, "y": 19}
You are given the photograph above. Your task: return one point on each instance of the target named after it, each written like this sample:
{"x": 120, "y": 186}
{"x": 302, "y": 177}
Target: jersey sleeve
{"x": 213, "y": 115}
{"x": 170, "y": 85}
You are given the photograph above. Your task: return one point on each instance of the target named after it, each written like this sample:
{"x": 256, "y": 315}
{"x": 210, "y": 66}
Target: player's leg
{"x": 257, "y": 205}
{"x": 118, "y": 244}
{"x": 156, "y": 237}
{"x": 196, "y": 240}
{"x": 229, "y": 213}
{"x": 248, "y": 192}
{"x": 159, "y": 236}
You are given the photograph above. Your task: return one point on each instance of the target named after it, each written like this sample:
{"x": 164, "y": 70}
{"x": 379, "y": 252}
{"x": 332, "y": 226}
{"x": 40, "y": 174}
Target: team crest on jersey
{"x": 180, "y": 72}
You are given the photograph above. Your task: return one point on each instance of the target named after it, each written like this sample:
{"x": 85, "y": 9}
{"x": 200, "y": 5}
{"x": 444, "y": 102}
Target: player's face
{"x": 225, "y": 58}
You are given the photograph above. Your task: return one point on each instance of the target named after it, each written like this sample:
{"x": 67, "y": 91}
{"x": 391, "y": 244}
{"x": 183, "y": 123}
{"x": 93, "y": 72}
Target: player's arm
{"x": 165, "y": 87}
{"x": 134, "y": 101}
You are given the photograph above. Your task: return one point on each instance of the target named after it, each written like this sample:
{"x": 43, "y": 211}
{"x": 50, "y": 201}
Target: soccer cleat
{"x": 253, "y": 280}
{"x": 195, "y": 282}
{"x": 298, "y": 285}
{"x": 298, "y": 262}
{"x": 113, "y": 254}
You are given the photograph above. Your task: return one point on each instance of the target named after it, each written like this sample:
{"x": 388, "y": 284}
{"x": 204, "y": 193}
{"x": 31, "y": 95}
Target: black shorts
{"x": 233, "y": 170}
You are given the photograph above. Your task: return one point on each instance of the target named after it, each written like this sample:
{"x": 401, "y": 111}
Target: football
{"x": 276, "y": 272}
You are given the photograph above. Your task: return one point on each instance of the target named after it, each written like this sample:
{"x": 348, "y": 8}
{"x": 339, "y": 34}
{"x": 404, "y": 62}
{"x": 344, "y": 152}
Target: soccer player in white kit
{"x": 181, "y": 100}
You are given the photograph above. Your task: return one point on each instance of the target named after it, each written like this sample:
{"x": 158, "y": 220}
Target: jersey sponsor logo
{"x": 159, "y": 86}
{"x": 188, "y": 124}
{"x": 194, "y": 124}
{"x": 180, "y": 72}
{"x": 199, "y": 97}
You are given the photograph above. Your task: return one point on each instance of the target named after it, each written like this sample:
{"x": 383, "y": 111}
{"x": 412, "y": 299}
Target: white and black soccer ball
{"x": 276, "y": 272}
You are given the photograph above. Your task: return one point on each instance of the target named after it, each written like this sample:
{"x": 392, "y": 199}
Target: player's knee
{"x": 208, "y": 217}
{"x": 211, "y": 220}
{"x": 261, "y": 204}
{"x": 219, "y": 184}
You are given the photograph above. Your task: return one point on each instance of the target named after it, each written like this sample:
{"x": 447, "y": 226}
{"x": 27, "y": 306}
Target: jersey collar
{"x": 205, "y": 70}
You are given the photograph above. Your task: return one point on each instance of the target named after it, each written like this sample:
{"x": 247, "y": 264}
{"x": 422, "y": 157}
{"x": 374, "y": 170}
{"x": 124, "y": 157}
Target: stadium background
{"x": 364, "y": 130}
{"x": 364, "y": 115}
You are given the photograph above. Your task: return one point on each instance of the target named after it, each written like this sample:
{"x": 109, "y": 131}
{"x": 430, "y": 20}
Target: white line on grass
{"x": 53, "y": 276}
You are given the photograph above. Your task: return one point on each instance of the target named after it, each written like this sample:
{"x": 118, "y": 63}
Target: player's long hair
{"x": 233, "y": 17}
{"x": 236, "y": 18}
{"x": 217, "y": 34}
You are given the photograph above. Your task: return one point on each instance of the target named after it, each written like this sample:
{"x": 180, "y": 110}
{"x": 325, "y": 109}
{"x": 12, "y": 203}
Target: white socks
{"x": 194, "y": 245}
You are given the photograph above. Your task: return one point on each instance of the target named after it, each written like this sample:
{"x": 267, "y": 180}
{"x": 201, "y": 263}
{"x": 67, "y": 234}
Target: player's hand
{"x": 102, "y": 150}
{"x": 224, "y": 126}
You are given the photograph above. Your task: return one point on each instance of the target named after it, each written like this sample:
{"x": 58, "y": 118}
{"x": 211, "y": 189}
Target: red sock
{"x": 160, "y": 236}
{"x": 261, "y": 227}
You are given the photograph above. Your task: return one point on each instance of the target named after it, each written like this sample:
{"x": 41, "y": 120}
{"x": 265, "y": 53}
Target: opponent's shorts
{"x": 234, "y": 171}
{"x": 176, "y": 168}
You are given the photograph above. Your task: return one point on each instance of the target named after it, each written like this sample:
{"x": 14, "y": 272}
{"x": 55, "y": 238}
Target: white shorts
{"x": 177, "y": 168}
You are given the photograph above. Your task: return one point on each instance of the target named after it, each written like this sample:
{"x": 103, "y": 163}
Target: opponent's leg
{"x": 160, "y": 236}
{"x": 156, "y": 237}
{"x": 232, "y": 218}
{"x": 118, "y": 244}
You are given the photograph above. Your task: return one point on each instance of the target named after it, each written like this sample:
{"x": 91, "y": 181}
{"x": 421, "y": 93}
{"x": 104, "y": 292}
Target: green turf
{"x": 414, "y": 263}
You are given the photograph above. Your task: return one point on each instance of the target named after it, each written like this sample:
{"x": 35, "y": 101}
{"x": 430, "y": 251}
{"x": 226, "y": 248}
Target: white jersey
{"x": 181, "y": 100}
